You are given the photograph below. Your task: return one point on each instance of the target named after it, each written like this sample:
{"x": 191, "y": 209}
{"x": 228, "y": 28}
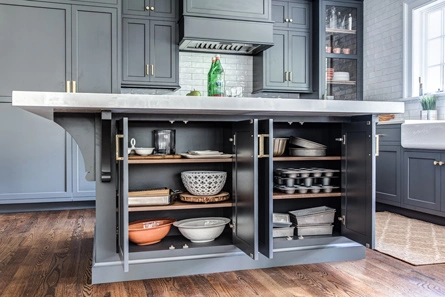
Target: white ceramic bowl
{"x": 144, "y": 151}
{"x": 204, "y": 182}
{"x": 202, "y": 229}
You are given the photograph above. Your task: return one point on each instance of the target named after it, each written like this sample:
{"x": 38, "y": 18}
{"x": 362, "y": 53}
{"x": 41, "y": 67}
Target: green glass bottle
{"x": 218, "y": 79}
{"x": 209, "y": 78}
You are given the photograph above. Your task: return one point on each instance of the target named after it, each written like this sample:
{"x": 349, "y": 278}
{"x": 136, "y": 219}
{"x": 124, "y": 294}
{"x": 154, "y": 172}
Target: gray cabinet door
{"x": 299, "y": 61}
{"x": 151, "y": 8}
{"x": 245, "y": 188}
{"x": 388, "y": 175}
{"x": 163, "y": 51}
{"x": 94, "y": 49}
{"x": 233, "y": 9}
{"x": 279, "y": 14}
{"x": 99, "y": 2}
{"x": 299, "y": 15}
{"x": 357, "y": 205}
{"x": 34, "y": 54}
{"x": 422, "y": 181}
{"x": 135, "y": 50}
{"x": 276, "y": 61}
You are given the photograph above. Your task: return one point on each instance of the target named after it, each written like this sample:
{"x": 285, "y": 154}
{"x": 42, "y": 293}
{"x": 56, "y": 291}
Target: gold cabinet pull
{"x": 68, "y": 86}
{"x": 377, "y": 144}
{"x": 261, "y": 138}
{"x": 152, "y": 69}
{"x": 287, "y": 20}
{"x": 118, "y": 157}
{"x": 287, "y": 76}
{"x": 74, "y": 87}
{"x": 290, "y": 20}
{"x": 147, "y": 71}
{"x": 147, "y": 8}
{"x": 152, "y": 8}
{"x": 290, "y": 76}
{"x": 436, "y": 163}
{"x": 441, "y": 163}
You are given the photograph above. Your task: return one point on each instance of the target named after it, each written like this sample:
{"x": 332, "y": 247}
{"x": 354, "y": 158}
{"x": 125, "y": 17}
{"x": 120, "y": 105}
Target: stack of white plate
{"x": 343, "y": 76}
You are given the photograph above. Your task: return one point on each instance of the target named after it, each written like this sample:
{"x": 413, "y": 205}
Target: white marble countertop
{"x": 47, "y": 103}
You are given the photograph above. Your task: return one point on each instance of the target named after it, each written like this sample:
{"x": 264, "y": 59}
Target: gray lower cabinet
{"x": 151, "y": 8}
{"x": 233, "y": 9}
{"x": 248, "y": 243}
{"x": 150, "y": 53}
{"x": 388, "y": 177}
{"x": 87, "y": 2}
{"x": 423, "y": 178}
{"x": 286, "y": 67}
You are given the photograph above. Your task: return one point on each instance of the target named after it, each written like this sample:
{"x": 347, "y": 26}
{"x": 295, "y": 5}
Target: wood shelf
{"x": 341, "y": 31}
{"x": 181, "y": 205}
{"x": 324, "y": 158}
{"x": 279, "y": 196}
{"x": 341, "y": 82}
{"x": 179, "y": 161}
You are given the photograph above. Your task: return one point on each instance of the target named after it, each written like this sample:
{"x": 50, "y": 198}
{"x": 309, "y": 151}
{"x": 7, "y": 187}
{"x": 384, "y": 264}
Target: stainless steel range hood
{"x": 201, "y": 34}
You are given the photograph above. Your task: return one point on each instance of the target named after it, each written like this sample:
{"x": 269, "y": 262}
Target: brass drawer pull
{"x": 261, "y": 138}
{"x": 118, "y": 158}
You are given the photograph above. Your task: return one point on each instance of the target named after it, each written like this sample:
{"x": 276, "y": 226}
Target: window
{"x": 424, "y": 46}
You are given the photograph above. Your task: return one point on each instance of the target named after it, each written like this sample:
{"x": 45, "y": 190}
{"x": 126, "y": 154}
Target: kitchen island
{"x": 102, "y": 125}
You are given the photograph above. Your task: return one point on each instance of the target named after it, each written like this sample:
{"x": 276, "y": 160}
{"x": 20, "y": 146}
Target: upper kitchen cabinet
{"x": 151, "y": 8}
{"x": 59, "y": 48}
{"x": 286, "y": 67}
{"x": 150, "y": 54}
{"x": 232, "y": 9}
{"x": 341, "y": 50}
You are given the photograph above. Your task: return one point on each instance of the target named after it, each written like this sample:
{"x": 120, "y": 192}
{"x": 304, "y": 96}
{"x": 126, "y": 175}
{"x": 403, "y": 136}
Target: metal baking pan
{"x": 305, "y": 143}
{"x": 307, "y": 152}
{"x": 313, "y": 216}
{"x": 325, "y": 229}
{"x": 283, "y": 232}
{"x": 154, "y": 200}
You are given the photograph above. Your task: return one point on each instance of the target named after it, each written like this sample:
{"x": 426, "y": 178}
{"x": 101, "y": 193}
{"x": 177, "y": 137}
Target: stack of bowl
{"x": 145, "y": 232}
{"x": 329, "y": 73}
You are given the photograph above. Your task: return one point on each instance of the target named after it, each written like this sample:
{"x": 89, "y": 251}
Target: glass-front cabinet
{"x": 341, "y": 72}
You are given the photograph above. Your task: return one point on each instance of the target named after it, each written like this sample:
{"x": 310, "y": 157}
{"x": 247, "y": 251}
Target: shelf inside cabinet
{"x": 324, "y": 158}
{"x": 279, "y": 196}
{"x": 341, "y": 31}
{"x": 181, "y": 205}
{"x": 178, "y": 161}
{"x": 341, "y": 82}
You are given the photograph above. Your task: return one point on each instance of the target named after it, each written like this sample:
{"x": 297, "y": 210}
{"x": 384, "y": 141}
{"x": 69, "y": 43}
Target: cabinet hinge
{"x": 342, "y": 219}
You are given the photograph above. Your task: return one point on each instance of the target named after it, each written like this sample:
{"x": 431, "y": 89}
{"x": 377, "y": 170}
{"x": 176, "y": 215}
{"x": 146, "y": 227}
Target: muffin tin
{"x": 304, "y": 180}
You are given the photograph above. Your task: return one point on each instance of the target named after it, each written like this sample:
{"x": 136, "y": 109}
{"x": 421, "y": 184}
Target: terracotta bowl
{"x": 145, "y": 232}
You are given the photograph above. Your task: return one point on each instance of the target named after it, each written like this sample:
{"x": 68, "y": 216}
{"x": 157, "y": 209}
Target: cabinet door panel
{"x": 245, "y": 190}
{"x": 163, "y": 8}
{"x": 122, "y": 192}
{"x": 135, "y": 50}
{"x": 422, "y": 180}
{"x": 358, "y": 205}
{"x": 94, "y": 49}
{"x": 388, "y": 175}
{"x": 135, "y": 7}
{"x": 34, "y": 51}
{"x": 162, "y": 51}
{"x": 279, "y": 14}
{"x": 299, "y": 59}
{"x": 299, "y": 16}
{"x": 276, "y": 58}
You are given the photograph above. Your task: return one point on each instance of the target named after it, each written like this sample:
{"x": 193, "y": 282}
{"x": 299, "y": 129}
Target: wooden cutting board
{"x": 135, "y": 157}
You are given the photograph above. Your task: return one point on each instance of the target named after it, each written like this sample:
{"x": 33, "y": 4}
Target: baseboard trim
{"x": 30, "y": 207}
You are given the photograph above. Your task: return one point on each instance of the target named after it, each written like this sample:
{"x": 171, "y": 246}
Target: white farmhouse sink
{"x": 423, "y": 134}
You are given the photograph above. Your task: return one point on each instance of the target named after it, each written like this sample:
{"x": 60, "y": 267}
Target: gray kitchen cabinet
{"x": 151, "y": 8}
{"x": 150, "y": 53}
{"x": 389, "y": 165}
{"x": 286, "y": 67}
{"x": 231, "y": 9}
{"x": 86, "y": 2}
{"x": 423, "y": 178}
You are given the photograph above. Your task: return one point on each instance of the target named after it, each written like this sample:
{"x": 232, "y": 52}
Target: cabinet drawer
{"x": 390, "y": 133}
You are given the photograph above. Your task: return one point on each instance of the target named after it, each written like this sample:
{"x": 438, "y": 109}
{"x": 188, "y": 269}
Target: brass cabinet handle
{"x": 152, "y": 8}
{"x": 290, "y": 76}
{"x": 436, "y": 163}
{"x": 261, "y": 138}
{"x": 152, "y": 69}
{"x": 118, "y": 158}
{"x": 287, "y": 20}
{"x": 377, "y": 144}
{"x": 287, "y": 76}
{"x": 147, "y": 8}
{"x": 441, "y": 163}
{"x": 290, "y": 20}
{"x": 147, "y": 70}
{"x": 74, "y": 87}
{"x": 68, "y": 86}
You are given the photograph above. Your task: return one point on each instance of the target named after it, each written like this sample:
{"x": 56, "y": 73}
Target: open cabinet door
{"x": 122, "y": 190}
{"x": 245, "y": 190}
{"x": 358, "y": 207}
{"x": 265, "y": 189}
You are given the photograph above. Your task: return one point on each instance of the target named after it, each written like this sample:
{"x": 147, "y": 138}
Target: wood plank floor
{"x": 49, "y": 254}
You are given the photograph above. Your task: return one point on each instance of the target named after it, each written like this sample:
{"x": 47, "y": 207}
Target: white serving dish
{"x": 204, "y": 182}
{"x": 202, "y": 229}
{"x": 144, "y": 151}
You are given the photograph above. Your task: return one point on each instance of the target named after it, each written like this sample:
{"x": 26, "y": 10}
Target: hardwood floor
{"x": 49, "y": 254}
